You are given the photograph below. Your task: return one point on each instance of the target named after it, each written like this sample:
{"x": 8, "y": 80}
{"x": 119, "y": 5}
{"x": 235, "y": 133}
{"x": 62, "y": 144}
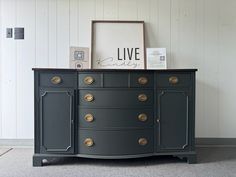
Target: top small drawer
{"x": 117, "y": 79}
{"x": 57, "y": 79}
{"x": 141, "y": 79}
{"x": 173, "y": 79}
{"x": 90, "y": 80}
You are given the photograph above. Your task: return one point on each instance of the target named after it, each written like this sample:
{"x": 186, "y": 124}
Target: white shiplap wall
{"x": 197, "y": 34}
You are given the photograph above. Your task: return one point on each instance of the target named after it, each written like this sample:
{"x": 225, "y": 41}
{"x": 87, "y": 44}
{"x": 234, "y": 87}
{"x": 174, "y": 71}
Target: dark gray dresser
{"x": 114, "y": 114}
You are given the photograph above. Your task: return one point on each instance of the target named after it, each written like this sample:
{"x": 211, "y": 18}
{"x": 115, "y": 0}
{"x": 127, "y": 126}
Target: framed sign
{"x": 118, "y": 45}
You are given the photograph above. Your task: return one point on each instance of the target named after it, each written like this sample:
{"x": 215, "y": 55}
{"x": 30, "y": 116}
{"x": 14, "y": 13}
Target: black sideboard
{"x": 114, "y": 114}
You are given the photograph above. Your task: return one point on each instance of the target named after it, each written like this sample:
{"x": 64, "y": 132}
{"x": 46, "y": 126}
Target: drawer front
{"x": 115, "y": 118}
{"x": 116, "y": 142}
{"x": 116, "y": 98}
{"x": 57, "y": 79}
{"x": 141, "y": 79}
{"x": 116, "y": 80}
{"x": 173, "y": 80}
{"x": 90, "y": 80}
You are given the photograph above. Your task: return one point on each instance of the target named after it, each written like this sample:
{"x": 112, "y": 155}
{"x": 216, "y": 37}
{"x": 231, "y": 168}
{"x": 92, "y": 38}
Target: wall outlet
{"x": 18, "y": 33}
{"x": 9, "y": 33}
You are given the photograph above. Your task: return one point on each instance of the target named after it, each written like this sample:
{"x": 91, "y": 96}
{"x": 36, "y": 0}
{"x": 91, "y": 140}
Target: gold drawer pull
{"x": 142, "y": 80}
{"x": 88, "y": 80}
{"x": 88, "y": 97}
{"x": 142, "y": 141}
{"x": 142, "y": 97}
{"x": 142, "y": 117}
{"x": 88, "y": 142}
{"x": 56, "y": 80}
{"x": 89, "y": 117}
{"x": 173, "y": 80}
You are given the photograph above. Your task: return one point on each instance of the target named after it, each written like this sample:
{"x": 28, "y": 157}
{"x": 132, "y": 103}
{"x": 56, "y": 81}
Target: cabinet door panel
{"x": 56, "y": 120}
{"x": 173, "y": 117}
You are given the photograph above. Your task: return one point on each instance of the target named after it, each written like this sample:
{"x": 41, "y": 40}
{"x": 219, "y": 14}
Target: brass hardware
{"x": 142, "y": 97}
{"x": 89, "y": 117}
{"x": 88, "y": 80}
{"x": 142, "y": 80}
{"x": 56, "y": 80}
{"x": 142, "y": 141}
{"x": 88, "y": 97}
{"x": 173, "y": 80}
{"x": 142, "y": 117}
{"x": 88, "y": 142}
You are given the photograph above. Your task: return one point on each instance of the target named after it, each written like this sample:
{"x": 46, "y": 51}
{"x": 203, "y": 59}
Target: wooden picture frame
{"x": 118, "y": 45}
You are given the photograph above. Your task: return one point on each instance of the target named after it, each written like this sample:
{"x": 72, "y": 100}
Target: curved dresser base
{"x": 38, "y": 158}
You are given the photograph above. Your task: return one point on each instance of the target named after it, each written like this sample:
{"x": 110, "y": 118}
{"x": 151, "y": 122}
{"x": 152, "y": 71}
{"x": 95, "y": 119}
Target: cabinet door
{"x": 57, "y": 120}
{"x": 173, "y": 120}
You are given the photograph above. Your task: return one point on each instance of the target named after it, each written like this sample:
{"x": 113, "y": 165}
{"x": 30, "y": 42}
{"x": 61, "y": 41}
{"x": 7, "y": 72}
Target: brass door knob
{"x": 142, "y": 117}
{"x": 56, "y": 80}
{"x": 173, "y": 80}
{"x": 88, "y": 97}
{"x": 142, "y": 80}
{"x": 142, "y": 97}
{"x": 142, "y": 141}
{"x": 88, "y": 80}
{"x": 89, "y": 117}
{"x": 88, "y": 142}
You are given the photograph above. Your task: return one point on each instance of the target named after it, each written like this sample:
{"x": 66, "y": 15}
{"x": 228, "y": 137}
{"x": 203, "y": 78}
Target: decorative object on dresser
{"x": 114, "y": 114}
{"x": 118, "y": 45}
{"x": 156, "y": 58}
{"x": 79, "y": 58}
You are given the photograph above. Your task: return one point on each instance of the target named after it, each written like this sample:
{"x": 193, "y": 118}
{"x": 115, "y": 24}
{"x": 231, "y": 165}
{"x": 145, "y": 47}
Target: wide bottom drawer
{"x": 115, "y": 142}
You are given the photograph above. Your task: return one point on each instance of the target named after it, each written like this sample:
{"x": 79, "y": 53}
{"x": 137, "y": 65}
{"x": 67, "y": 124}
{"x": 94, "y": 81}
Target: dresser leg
{"x": 192, "y": 159}
{"x": 37, "y": 161}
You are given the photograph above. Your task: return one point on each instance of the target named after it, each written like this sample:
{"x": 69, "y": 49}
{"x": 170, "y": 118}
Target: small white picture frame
{"x": 156, "y": 58}
{"x": 79, "y": 57}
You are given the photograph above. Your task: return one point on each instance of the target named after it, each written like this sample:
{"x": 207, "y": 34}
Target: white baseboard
{"x": 16, "y": 142}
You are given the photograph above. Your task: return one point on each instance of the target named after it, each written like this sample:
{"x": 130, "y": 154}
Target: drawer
{"x": 115, "y": 142}
{"x": 115, "y": 118}
{"x": 173, "y": 80}
{"x": 90, "y": 80}
{"x": 58, "y": 79}
{"x": 116, "y": 98}
{"x": 141, "y": 79}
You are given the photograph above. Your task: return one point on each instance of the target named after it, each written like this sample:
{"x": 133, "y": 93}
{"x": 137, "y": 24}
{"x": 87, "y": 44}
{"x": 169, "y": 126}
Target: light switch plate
{"x": 18, "y": 33}
{"x": 9, "y": 33}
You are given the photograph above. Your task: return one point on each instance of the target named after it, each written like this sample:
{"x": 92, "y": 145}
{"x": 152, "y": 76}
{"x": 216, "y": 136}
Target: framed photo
{"x": 118, "y": 45}
{"x": 79, "y": 57}
{"x": 156, "y": 58}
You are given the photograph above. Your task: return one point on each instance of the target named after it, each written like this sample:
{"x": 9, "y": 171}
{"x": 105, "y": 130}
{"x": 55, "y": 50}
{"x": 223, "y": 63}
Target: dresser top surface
{"x": 114, "y": 70}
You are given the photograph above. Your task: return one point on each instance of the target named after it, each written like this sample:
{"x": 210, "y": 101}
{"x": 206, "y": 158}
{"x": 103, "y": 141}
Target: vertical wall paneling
{"x": 144, "y": 15}
{"x": 8, "y": 72}
{"x": 99, "y": 10}
{"x": 63, "y": 35}
{"x": 128, "y": 10}
{"x": 211, "y": 75}
{"x": 42, "y": 10}
{"x": 200, "y": 64}
{"x": 110, "y": 9}
{"x": 25, "y": 62}
{"x": 1, "y": 33}
{"x": 73, "y": 23}
{"x": 164, "y": 27}
{"x": 86, "y": 14}
{"x": 153, "y": 23}
{"x": 226, "y": 65}
{"x": 52, "y": 33}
